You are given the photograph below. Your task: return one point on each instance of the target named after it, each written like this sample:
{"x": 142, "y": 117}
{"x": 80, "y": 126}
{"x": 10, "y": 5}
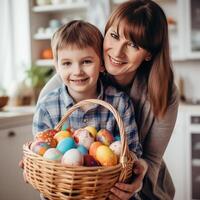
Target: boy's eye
{"x": 87, "y": 62}
{"x": 67, "y": 63}
{"x": 114, "y": 35}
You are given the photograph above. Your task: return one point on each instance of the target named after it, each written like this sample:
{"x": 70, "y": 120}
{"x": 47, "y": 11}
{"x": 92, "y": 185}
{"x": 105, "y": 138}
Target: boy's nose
{"x": 77, "y": 69}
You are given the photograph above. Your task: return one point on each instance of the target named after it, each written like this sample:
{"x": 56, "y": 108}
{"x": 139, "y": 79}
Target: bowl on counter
{"x": 3, "y": 101}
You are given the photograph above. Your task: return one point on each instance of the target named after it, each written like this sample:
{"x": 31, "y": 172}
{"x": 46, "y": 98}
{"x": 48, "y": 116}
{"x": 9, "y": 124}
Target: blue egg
{"x": 83, "y": 150}
{"x": 66, "y": 144}
{"x": 117, "y": 138}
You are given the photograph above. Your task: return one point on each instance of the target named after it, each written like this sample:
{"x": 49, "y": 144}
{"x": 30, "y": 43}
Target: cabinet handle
{"x": 11, "y": 134}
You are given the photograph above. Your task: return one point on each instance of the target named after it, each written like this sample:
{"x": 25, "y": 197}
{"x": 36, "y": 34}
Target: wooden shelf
{"x": 45, "y": 63}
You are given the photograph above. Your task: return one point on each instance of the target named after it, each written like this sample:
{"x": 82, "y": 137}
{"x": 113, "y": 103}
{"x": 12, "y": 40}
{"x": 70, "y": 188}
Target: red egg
{"x": 105, "y": 137}
{"x": 89, "y": 161}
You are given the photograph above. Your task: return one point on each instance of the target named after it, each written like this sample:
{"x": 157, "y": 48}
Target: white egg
{"x": 72, "y": 157}
{"x": 116, "y": 147}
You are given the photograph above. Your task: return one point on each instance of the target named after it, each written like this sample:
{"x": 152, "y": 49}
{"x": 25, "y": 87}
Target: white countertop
{"x": 16, "y": 116}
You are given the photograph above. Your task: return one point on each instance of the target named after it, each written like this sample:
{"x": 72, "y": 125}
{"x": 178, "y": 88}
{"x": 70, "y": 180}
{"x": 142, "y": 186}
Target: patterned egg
{"x": 82, "y": 149}
{"x": 39, "y": 147}
{"x": 105, "y": 137}
{"x": 46, "y": 136}
{"x": 92, "y": 130}
{"x": 66, "y": 144}
{"x": 106, "y": 156}
{"x": 93, "y": 148}
{"x": 116, "y": 147}
{"x": 53, "y": 154}
{"x": 61, "y": 135}
{"x": 72, "y": 158}
{"x": 83, "y": 137}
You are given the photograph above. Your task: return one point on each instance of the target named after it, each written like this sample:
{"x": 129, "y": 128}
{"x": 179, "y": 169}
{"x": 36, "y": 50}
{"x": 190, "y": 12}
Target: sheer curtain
{"x": 6, "y": 43}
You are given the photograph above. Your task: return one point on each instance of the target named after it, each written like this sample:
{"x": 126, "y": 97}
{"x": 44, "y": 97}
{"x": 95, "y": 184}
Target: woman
{"x": 136, "y": 54}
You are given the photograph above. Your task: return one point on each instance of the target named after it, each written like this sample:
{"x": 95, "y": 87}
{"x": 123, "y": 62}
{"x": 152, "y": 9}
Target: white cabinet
{"x": 182, "y": 155}
{"x": 12, "y": 185}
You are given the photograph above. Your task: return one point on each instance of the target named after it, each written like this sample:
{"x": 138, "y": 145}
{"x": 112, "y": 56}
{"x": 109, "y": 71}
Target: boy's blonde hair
{"x": 80, "y": 34}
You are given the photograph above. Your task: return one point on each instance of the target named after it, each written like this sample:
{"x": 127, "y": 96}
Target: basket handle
{"x": 124, "y": 149}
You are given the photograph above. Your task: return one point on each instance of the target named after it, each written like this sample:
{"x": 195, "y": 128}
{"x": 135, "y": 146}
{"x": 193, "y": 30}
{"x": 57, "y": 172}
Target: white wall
{"x": 190, "y": 72}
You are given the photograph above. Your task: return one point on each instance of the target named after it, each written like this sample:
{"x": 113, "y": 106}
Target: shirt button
{"x": 85, "y": 120}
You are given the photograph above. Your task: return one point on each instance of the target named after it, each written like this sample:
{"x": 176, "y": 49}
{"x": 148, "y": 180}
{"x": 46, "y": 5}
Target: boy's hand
{"x": 21, "y": 165}
{"x": 123, "y": 191}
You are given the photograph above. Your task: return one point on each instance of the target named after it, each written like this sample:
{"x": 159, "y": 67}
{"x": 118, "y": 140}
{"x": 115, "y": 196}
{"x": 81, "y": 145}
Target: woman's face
{"x": 121, "y": 56}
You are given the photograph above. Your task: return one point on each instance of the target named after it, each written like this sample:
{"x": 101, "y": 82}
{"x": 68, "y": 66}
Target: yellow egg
{"x": 92, "y": 130}
{"x": 61, "y": 135}
{"x": 106, "y": 156}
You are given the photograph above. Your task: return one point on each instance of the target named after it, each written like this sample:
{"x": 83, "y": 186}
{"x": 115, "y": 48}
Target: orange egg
{"x": 106, "y": 156}
{"x": 61, "y": 135}
{"x": 93, "y": 148}
{"x": 47, "y": 137}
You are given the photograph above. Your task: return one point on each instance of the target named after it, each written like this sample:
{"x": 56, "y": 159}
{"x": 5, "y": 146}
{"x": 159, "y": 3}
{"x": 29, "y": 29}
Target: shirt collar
{"x": 67, "y": 99}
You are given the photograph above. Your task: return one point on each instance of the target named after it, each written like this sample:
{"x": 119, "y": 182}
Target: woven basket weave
{"x": 58, "y": 182}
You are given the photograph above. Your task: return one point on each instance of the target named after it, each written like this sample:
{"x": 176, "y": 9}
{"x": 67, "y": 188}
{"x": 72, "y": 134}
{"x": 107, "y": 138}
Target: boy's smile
{"x": 79, "y": 70}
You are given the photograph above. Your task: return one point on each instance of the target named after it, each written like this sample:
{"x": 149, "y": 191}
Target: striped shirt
{"x": 54, "y": 105}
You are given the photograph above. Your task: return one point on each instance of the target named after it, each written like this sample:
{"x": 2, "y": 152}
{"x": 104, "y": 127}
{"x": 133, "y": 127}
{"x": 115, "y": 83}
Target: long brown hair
{"x": 145, "y": 24}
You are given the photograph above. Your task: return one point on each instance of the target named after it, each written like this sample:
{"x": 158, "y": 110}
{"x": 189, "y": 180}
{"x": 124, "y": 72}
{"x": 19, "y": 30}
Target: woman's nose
{"x": 119, "y": 50}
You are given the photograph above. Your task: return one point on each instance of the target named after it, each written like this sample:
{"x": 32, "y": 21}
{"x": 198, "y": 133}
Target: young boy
{"x": 77, "y": 51}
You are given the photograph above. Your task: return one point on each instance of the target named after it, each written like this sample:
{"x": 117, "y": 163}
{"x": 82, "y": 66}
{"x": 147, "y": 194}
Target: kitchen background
{"x": 25, "y": 65}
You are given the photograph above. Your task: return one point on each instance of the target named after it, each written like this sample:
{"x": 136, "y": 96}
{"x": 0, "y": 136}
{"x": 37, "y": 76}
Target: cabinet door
{"x": 175, "y": 157}
{"x": 12, "y": 185}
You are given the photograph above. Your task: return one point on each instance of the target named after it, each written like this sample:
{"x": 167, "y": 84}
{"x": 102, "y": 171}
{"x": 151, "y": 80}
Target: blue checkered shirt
{"x": 54, "y": 105}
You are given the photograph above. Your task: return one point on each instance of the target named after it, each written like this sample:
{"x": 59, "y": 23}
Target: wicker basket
{"x": 58, "y": 182}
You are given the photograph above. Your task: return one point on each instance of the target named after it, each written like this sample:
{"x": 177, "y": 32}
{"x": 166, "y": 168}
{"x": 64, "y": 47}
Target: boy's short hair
{"x": 80, "y": 34}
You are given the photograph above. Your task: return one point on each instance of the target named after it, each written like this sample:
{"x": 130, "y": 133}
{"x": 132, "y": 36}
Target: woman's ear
{"x": 148, "y": 57}
{"x": 102, "y": 68}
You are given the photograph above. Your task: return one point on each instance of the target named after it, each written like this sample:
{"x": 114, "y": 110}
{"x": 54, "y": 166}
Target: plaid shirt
{"x": 54, "y": 105}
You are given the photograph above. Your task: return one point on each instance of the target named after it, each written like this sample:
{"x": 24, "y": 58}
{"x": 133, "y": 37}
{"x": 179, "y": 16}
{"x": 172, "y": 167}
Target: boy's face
{"x": 79, "y": 70}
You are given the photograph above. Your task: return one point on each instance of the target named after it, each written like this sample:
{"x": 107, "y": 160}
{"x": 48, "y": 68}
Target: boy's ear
{"x": 102, "y": 68}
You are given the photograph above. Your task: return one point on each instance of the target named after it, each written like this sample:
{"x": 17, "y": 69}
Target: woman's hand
{"x": 123, "y": 191}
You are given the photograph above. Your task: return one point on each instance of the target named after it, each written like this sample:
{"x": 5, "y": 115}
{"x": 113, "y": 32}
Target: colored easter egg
{"x": 92, "y": 130}
{"x": 39, "y": 147}
{"x": 116, "y": 147}
{"x": 93, "y": 148}
{"x": 106, "y": 156}
{"x": 89, "y": 161}
{"x": 53, "y": 154}
{"x": 83, "y": 137}
{"x": 72, "y": 157}
{"x": 83, "y": 150}
{"x": 61, "y": 135}
{"x": 117, "y": 138}
{"x": 66, "y": 144}
{"x": 105, "y": 137}
{"x": 46, "y": 136}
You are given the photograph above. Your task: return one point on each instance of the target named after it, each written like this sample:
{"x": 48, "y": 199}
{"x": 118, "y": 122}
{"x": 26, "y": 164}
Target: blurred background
{"x": 26, "y": 65}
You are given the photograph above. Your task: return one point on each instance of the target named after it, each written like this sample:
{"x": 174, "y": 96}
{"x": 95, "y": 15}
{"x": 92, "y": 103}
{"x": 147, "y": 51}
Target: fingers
{"x": 21, "y": 164}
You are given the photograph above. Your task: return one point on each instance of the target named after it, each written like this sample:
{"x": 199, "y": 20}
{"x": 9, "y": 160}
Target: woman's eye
{"x": 115, "y": 36}
{"x": 133, "y": 45}
{"x": 87, "y": 62}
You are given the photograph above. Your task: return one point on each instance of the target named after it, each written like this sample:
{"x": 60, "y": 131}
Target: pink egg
{"x": 83, "y": 137}
{"x": 39, "y": 147}
{"x": 72, "y": 157}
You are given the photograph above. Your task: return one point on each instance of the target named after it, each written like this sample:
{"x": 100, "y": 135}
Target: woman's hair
{"x": 145, "y": 24}
{"x": 77, "y": 33}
